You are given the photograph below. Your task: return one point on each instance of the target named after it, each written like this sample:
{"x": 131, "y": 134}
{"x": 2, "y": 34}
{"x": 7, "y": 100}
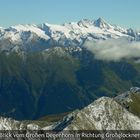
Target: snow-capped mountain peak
{"x": 32, "y": 28}
{"x": 101, "y": 23}
{"x": 1, "y": 28}
{"x": 85, "y": 23}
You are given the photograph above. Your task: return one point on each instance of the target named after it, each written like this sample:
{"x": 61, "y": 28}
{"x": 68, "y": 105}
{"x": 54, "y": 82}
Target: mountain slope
{"x": 103, "y": 114}
{"x": 11, "y": 124}
{"x": 130, "y": 100}
{"x": 59, "y": 81}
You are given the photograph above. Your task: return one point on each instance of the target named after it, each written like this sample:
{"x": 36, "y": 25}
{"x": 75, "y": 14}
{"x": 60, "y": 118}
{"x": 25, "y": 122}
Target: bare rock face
{"x": 104, "y": 114}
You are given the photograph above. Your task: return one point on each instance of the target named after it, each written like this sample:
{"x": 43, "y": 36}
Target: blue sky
{"x": 125, "y": 13}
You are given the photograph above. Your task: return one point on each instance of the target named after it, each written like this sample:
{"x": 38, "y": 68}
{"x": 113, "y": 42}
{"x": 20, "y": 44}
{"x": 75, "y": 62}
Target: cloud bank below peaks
{"x": 114, "y": 49}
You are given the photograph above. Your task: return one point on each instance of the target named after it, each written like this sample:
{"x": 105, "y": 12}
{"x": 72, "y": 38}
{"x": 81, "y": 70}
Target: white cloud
{"x": 114, "y": 49}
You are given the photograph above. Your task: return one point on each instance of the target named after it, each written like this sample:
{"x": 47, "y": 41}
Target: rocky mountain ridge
{"x": 103, "y": 114}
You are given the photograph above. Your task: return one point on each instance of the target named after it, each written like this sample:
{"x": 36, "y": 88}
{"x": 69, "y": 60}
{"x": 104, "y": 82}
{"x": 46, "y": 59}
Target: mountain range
{"x": 31, "y": 38}
{"x": 48, "y": 69}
